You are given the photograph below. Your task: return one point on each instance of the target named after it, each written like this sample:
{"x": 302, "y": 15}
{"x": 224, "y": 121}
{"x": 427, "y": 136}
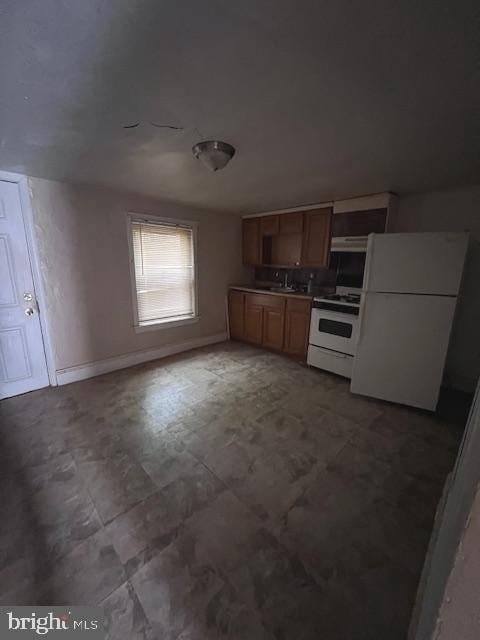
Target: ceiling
{"x": 322, "y": 100}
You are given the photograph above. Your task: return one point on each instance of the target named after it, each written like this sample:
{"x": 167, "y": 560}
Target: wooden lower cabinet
{"x": 253, "y": 320}
{"x": 273, "y": 327}
{"x": 236, "y": 314}
{"x": 275, "y": 322}
{"x": 297, "y": 327}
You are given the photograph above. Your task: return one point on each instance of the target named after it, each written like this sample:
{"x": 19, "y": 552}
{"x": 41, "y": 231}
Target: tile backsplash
{"x": 299, "y": 277}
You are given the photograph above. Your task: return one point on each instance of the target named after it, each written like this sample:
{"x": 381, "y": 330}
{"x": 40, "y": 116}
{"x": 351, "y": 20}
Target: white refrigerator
{"x": 408, "y": 301}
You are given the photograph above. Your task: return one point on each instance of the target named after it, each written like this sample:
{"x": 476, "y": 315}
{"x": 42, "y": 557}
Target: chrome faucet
{"x": 286, "y": 280}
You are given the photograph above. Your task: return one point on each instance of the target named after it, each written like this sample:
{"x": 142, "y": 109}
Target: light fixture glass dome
{"x": 214, "y": 154}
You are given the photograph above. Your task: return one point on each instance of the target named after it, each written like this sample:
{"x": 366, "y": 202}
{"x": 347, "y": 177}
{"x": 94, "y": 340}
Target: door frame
{"x": 32, "y": 246}
{"x": 450, "y": 522}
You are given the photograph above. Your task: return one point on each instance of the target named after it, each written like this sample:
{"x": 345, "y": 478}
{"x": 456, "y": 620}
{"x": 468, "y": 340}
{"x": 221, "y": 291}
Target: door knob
{"x": 29, "y": 311}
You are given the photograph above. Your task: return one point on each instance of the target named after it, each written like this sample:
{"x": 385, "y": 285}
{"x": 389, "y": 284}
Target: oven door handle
{"x": 348, "y": 318}
{"x": 333, "y": 354}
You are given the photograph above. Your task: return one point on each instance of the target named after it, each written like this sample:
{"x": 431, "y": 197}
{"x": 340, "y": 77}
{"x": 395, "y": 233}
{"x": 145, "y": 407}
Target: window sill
{"x": 165, "y": 324}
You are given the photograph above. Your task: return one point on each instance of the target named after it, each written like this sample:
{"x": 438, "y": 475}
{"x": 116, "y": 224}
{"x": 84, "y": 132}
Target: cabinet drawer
{"x": 300, "y": 306}
{"x": 259, "y": 300}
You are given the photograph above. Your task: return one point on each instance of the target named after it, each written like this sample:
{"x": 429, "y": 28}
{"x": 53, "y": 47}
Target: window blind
{"x": 164, "y": 271}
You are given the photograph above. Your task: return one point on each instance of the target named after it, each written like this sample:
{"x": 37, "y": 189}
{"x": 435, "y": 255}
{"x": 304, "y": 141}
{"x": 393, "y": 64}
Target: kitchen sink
{"x": 283, "y": 289}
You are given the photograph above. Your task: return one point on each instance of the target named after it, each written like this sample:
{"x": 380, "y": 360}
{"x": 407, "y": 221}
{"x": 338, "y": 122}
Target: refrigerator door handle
{"x": 368, "y": 262}
{"x": 365, "y": 288}
{"x": 361, "y": 316}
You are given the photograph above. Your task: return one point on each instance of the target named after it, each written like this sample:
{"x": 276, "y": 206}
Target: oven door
{"x": 334, "y": 330}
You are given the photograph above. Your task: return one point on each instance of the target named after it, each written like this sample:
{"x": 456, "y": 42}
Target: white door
{"x": 23, "y": 364}
{"x": 403, "y": 342}
{"x": 415, "y": 262}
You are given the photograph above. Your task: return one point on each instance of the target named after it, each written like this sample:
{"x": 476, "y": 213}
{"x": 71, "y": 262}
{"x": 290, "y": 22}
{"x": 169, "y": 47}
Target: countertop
{"x": 289, "y": 294}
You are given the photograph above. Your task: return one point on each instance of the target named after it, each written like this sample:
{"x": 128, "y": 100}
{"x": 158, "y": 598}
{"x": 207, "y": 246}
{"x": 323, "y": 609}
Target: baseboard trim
{"x": 99, "y": 367}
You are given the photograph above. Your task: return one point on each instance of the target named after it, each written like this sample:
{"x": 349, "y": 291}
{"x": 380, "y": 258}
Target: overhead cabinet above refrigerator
{"x": 356, "y": 218}
{"x": 408, "y": 303}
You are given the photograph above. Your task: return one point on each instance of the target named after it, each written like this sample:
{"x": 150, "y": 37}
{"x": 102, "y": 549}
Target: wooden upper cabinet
{"x": 287, "y": 249}
{"x": 269, "y": 225}
{"x": 288, "y": 239}
{"x": 287, "y": 245}
{"x": 291, "y": 223}
{"x": 236, "y": 314}
{"x": 359, "y": 223}
{"x": 316, "y": 238}
{"x": 252, "y": 242}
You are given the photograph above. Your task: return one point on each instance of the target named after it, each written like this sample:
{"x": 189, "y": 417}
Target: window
{"x": 163, "y": 271}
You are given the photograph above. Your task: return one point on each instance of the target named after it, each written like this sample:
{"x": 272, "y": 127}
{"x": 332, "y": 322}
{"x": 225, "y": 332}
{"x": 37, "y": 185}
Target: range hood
{"x": 354, "y": 219}
{"x": 349, "y": 243}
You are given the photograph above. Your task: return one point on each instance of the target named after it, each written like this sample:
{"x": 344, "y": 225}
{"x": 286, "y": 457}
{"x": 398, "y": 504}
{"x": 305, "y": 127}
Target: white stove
{"x": 342, "y": 298}
{"x": 333, "y": 331}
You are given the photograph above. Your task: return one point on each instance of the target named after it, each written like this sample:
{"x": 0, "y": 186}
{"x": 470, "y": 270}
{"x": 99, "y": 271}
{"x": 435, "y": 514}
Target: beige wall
{"x": 82, "y": 238}
{"x": 453, "y": 210}
{"x": 83, "y": 250}
{"x": 459, "y": 617}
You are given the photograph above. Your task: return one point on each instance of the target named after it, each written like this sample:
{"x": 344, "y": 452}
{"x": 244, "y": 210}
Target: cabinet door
{"x": 359, "y": 223}
{"x": 236, "y": 314}
{"x": 297, "y": 327}
{"x": 291, "y": 223}
{"x": 287, "y": 249}
{"x": 273, "y": 328}
{"x": 253, "y": 320}
{"x": 316, "y": 238}
{"x": 251, "y": 241}
{"x": 269, "y": 225}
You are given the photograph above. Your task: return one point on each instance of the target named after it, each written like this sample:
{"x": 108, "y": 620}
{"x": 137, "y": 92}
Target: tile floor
{"x": 224, "y": 493}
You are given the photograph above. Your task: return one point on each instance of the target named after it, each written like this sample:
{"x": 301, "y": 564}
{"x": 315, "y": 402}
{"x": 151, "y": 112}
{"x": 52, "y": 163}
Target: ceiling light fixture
{"x": 214, "y": 154}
